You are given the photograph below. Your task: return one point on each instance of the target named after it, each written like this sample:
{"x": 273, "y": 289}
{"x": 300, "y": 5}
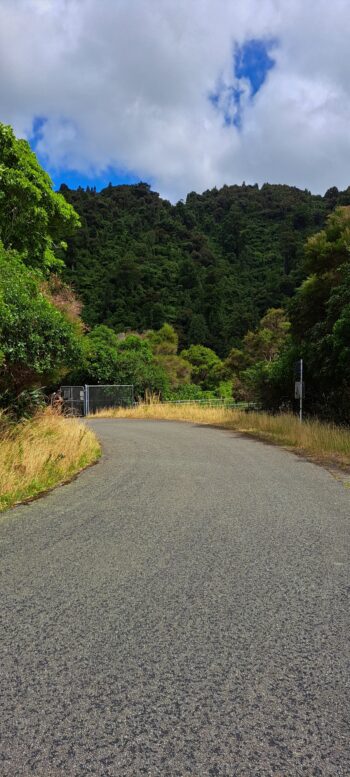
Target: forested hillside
{"x": 211, "y": 266}
{"x": 217, "y": 297}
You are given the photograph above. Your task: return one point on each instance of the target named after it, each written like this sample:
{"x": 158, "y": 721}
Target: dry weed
{"x": 38, "y": 454}
{"x": 321, "y": 441}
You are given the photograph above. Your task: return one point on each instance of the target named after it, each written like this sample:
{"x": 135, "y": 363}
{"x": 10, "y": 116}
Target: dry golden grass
{"x": 322, "y": 442}
{"x": 38, "y": 454}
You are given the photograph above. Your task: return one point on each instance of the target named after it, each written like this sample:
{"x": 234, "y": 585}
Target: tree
{"x": 265, "y": 343}
{"x": 327, "y": 265}
{"x": 206, "y": 366}
{"x": 320, "y": 328}
{"x": 107, "y": 359}
{"x": 164, "y": 345}
{"x": 319, "y": 316}
{"x": 198, "y": 330}
{"x": 163, "y": 342}
{"x": 254, "y": 366}
{"x": 40, "y": 325}
{"x": 38, "y": 342}
{"x": 178, "y": 370}
{"x": 211, "y": 267}
{"x": 235, "y": 362}
{"x": 33, "y": 218}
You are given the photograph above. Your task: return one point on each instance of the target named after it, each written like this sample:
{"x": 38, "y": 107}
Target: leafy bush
{"x": 108, "y": 359}
{"x": 189, "y": 392}
{"x": 24, "y": 405}
{"x": 37, "y": 342}
{"x": 207, "y": 368}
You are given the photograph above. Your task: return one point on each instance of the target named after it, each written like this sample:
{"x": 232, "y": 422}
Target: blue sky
{"x": 251, "y": 63}
{"x": 74, "y": 178}
{"x": 159, "y": 91}
{"x": 253, "y": 60}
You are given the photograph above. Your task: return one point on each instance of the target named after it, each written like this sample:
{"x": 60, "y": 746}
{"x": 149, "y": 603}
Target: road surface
{"x": 182, "y": 608}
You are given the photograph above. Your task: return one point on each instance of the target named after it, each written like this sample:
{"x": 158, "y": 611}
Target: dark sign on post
{"x": 299, "y": 390}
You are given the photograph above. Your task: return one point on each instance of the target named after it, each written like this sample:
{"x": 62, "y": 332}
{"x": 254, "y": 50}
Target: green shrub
{"x": 38, "y": 343}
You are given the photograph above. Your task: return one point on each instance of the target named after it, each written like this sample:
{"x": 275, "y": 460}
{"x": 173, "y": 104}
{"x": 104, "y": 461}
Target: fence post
{"x": 86, "y": 400}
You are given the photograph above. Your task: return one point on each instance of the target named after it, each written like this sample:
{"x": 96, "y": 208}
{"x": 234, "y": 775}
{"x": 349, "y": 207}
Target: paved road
{"x": 180, "y": 609}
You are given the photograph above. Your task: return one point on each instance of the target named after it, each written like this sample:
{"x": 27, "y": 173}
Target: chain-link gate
{"x": 83, "y": 400}
{"x": 73, "y": 400}
{"x": 99, "y": 397}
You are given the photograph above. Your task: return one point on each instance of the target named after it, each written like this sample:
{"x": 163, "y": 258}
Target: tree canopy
{"x": 33, "y": 218}
{"x": 211, "y": 266}
{"x": 109, "y": 359}
{"x": 320, "y": 317}
{"x": 40, "y": 328}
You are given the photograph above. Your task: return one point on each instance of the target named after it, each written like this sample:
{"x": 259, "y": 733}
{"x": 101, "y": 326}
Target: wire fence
{"x": 225, "y": 403}
{"x": 103, "y": 396}
{"x": 89, "y": 399}
{"x": 84, "y": 400}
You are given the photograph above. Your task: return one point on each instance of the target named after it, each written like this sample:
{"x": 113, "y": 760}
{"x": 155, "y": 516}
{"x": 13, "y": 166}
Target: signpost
{"x": 299, "y": 386}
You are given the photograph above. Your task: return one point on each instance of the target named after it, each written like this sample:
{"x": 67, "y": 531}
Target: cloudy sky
{"x": 185, "y": 94}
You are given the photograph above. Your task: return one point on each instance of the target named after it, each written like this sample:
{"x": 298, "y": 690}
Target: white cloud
{"x": 125, "y": 83}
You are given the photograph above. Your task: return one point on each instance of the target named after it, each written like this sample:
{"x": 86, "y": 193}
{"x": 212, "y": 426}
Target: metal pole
{"x": 86, "y": 400}
{"x": 301, "y": 392}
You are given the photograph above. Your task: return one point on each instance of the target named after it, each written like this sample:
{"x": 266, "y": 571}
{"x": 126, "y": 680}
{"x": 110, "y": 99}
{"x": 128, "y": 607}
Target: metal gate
{"x": 83, "y": 400}
{"x": 73, "y": 400}
{"x": 99, "y": 397}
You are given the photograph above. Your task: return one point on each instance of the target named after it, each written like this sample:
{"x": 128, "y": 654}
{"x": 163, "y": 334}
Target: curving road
{"x": 180, "y": 609}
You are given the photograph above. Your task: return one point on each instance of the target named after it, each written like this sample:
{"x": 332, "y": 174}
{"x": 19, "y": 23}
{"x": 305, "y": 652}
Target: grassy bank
{"x": 325, "y": 443}
{"x": 38, "y": 454}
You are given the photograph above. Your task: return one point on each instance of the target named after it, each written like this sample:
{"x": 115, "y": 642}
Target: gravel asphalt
{"x": 182, "y": 608}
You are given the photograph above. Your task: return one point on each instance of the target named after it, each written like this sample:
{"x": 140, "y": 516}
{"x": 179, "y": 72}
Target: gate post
{"x": 86, "y": 400}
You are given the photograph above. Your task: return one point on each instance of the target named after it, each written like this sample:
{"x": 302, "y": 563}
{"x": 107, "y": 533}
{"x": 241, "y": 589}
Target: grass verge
{"x": 322, "y": 442}
{"x": 39, "y": 454}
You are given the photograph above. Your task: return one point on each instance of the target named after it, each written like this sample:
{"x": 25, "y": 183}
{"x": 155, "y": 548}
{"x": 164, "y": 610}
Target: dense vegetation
{"x": 217, "y": 296}
{"x": 40, "y": 329}
{"x": 320, "y": 322}
{"x": 211, "y": 266}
